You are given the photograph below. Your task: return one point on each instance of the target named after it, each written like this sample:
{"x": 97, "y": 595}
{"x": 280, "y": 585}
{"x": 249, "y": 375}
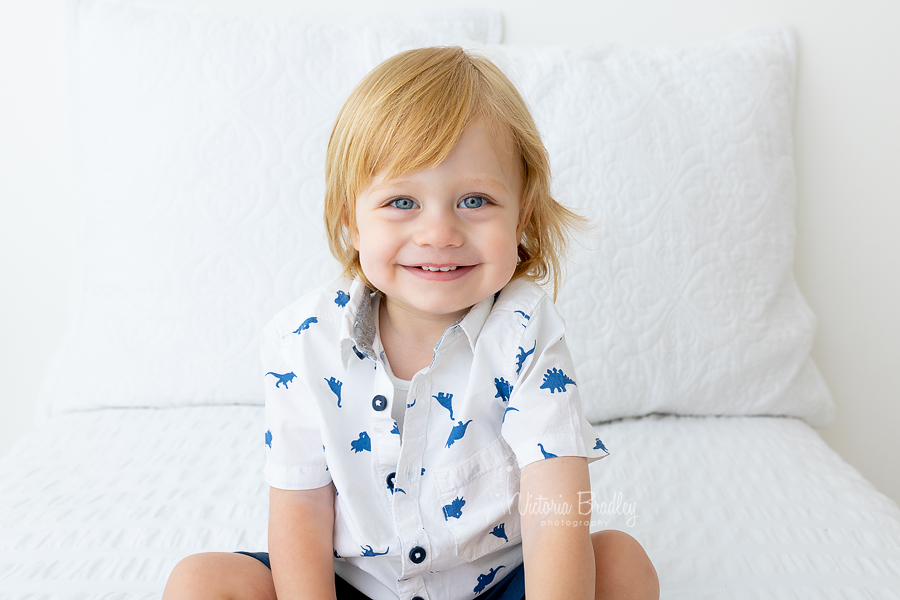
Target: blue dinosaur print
{"x": 520, "y": 359}
{"x": 305, "y": 325}
{"x": 555, "y": 381}
{"x": 396, "y": 490}
{"x": 361, "y": 443}
{"x": 485, "y": 579}
{"x": 285, "y": 379}
{"x": 545, "y": 453}
{"x": 367, "y": 551}
{"x": 500, "y": 531}
{"x": 342, "y": 298}
{"x": 454, "y": 509}
{"x": 527, "y": 317}
{"x": 504, "y": 389}
{"x": 335, "y": 386}
{"x": 411, "y": 405}
{"x": 359, "y": 354}
{"x": 508, "y": 408}
{"x": 446, "y": 400}
{"x": 396, "y": 429}
{"x": 336, "y": 555}
{"x": 457, "y": 432}
{"x": 423, "y": 472}
{"x": 599, "y": 446}
{"x": 269, "y": 439}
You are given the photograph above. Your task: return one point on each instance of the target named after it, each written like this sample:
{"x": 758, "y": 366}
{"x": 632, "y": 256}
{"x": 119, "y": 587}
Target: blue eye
{"x": 473, "y": 202}
{"x": 403, "y": 203}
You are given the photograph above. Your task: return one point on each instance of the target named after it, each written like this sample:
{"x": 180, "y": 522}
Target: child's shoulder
{"x": 522, "y": 307}
{"x": 324, "y": 304}
{"x": 522, "y": 296}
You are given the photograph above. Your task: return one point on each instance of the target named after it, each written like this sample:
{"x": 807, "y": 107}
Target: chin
{"x": 438, "y": 302}
{"x": 442, "y": 307}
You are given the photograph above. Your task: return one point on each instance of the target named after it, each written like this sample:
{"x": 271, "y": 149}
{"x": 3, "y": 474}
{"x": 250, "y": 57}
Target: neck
{"x": 409, "y": 339}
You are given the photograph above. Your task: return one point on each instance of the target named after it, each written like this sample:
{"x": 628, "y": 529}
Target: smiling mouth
{"x": 439, "y": 272}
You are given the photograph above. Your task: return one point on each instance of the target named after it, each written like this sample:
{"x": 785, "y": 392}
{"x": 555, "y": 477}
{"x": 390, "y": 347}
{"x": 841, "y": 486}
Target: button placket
{"x": 407, "y": 509}
{"x": 385, "y": 445}
{"x": 413, "y": 588}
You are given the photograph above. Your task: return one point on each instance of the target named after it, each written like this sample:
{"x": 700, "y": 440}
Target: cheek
{"x": 374, "y": 253}
{"x": 505, "y": 250}
{"x": 368, "y": 263}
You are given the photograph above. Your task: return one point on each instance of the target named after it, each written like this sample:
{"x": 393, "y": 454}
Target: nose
{"x": 439, "y": 229}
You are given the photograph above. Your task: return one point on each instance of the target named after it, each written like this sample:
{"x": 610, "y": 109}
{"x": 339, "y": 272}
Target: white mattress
{"x": 103, "y": 504}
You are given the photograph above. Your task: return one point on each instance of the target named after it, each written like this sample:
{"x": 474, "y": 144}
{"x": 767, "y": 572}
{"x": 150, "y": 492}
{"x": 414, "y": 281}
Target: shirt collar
{"x": 473, "y": 322}
{"x": 358, "y": 323}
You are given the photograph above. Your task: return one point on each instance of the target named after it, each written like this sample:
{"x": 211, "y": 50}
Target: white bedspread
{"x": 103, "y": 504}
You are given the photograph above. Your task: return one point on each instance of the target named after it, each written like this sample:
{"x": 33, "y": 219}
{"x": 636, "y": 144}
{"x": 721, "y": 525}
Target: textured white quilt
{"x": 103, "y": 504}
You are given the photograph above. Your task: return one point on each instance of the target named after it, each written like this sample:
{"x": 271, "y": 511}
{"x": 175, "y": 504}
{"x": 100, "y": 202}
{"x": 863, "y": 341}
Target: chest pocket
{"x": 479, "y": 499}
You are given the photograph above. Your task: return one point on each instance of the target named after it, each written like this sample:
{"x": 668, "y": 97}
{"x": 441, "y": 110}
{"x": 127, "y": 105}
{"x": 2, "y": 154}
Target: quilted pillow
{"x": 199, "y": 144}
{"x": 685, "y": 302}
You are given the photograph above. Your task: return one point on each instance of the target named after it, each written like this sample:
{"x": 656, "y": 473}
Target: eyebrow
{"x": 486, "y": 182}
{"x": 392, "y": 183}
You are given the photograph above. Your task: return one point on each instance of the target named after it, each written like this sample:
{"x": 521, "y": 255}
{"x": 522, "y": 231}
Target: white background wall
{"x": 847, "y": 133}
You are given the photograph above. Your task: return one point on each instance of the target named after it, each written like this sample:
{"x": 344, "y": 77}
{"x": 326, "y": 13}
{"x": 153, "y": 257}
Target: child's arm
{"x": 301, "y": 525}
{"x": 556, "y": 539}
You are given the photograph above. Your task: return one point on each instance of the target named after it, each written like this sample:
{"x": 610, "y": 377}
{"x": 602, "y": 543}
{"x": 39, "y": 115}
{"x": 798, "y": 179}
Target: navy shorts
{"x": 511, "y": 587}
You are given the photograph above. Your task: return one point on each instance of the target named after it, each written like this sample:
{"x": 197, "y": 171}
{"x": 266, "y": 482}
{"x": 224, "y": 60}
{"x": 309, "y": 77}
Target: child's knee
{"x": 220, "y": 576}
{"x": 194, "y": 577}
{"x": 187, "y": 578}
{"x": 623, "y": 568}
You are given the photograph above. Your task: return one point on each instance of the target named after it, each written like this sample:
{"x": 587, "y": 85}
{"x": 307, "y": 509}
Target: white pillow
{"x": 687, "y": 302}
{"x": 199, "y": 144}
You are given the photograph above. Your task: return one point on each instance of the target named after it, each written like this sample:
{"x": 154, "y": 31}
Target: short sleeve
{"x": 295, "y": 456}
{"x": 543, "y": 418}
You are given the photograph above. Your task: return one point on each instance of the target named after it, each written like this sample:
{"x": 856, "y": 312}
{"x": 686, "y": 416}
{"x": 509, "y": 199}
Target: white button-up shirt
{"x": 433, "y": 512}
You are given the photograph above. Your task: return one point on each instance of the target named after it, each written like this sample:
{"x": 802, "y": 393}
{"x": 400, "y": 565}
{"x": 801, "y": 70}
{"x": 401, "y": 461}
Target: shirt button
{"x": 379, "y": 403}
{"x": 390, "y": 480}
{"x": 417, "y": 554}
{"x": 418, "y": 598}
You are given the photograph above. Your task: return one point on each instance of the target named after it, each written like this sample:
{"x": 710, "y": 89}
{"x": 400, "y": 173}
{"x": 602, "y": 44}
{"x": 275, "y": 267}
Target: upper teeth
{"x": 439, "y": 268}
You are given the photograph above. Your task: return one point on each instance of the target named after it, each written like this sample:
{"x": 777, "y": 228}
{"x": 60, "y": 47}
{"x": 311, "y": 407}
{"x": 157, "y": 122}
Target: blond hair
{"x": 408, "y": 114}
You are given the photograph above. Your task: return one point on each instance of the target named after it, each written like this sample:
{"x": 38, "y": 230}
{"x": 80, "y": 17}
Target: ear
{"x": 352, "y": 230}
